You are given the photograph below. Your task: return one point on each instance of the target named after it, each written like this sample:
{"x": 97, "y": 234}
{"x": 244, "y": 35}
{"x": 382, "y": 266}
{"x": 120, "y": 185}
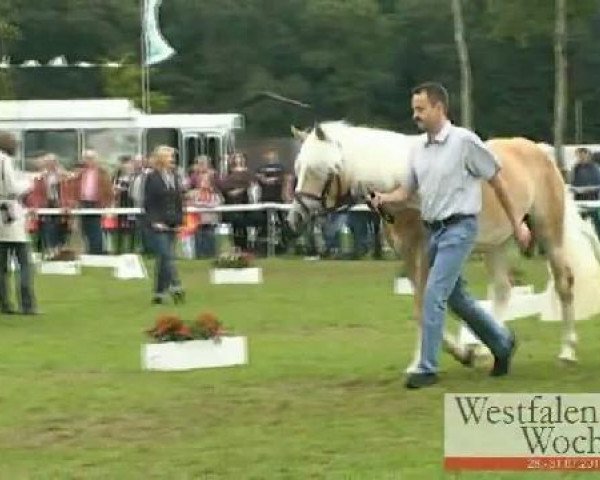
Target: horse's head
{"x": 321, "y": 185}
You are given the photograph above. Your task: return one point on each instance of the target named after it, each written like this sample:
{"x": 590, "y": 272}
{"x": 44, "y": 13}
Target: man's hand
{"x": 522, "y": 235}
{"x": 376, "y": 199}
{"x": 399, "y": 194}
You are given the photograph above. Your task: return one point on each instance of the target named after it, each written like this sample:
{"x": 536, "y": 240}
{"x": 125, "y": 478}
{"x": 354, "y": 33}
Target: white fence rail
{"x": 584, "y": 205}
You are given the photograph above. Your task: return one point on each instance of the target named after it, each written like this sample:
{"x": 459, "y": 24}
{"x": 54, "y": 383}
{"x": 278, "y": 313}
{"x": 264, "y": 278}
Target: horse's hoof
{"x": 468, "y": 358}
{"x": 412, "y": 368}
{"x": 482, "y": 352}
{"x": 568, "y": 358}
{"x": 567, "y": 355}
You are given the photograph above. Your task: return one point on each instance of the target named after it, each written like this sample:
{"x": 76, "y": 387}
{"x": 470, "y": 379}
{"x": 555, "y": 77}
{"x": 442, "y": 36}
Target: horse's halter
{"x": 341, "y": 203}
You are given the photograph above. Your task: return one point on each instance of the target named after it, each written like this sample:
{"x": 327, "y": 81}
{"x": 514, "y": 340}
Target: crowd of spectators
{"x": 91, "y": 185}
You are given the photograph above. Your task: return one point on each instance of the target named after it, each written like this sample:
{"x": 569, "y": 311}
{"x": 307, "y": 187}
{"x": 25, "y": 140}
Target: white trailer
{"x": 115, "y": 128}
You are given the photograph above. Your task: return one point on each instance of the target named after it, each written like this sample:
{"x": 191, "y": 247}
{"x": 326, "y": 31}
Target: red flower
{"x": 165, "y": 324}
{"x": 170, "y": 327}
{"x": 208, "y": 324}
{"x": 184, "y": 331}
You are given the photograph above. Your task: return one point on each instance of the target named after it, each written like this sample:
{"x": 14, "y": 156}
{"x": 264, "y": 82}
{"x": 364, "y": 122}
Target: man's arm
{"x": 399, "y": 194}
{"x": 520, "y": 228}
{"x": 482, "y": 163}
{"x": 499, "y": 185}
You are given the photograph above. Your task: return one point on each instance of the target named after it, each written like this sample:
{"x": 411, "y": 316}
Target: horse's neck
{"x": 376, "y": 158}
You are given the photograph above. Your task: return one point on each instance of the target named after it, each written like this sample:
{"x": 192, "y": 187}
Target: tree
{"x": 465, "y": 65}
{"x": 354, "y": 60}
{"x": 125, "y": 82}
{"x": 560, "y": 82}
{"x": 9, "y": 32}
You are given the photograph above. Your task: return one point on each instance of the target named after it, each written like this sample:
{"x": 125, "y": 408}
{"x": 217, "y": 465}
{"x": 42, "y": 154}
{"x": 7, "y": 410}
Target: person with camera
{"x": 13, "y": 231}
{"x": 163, "y": 205}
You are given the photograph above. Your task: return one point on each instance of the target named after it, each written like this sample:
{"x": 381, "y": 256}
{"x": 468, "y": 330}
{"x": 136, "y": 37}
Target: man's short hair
{"x": 583, "y": 150}
{"x": 436, "y": 93}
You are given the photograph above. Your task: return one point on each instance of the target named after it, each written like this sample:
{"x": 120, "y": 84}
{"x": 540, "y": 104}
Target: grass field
{"x": 322, "y": 396}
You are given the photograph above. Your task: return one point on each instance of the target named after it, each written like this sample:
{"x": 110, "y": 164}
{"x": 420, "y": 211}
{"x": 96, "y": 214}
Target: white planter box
{"x": 522, "y": 290}
{"x": 124, "y": 266}
{"x": 220, "y": 276}
{"x": 100, "y": 260}
{"x": 174, "y": 356}
{"x": 130, "y": 266}
{"x": 402, "y": 286}
{"x": 60, "y": 268}
{"x": 515, "y": 291}
{"x": 524, "y": 302}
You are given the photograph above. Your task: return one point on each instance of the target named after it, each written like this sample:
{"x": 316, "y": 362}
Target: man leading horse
{"x": 445, "y": 169}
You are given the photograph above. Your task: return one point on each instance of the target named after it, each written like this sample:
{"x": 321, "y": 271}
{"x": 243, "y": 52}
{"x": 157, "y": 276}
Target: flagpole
{"x": 148, "y": 94}
{"x": 143, "y": 55}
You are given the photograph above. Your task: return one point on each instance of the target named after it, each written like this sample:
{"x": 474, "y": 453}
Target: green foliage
{"x": 354, "y": 60}
{"x": 126, "y": 82}
{"x": 6, "y": 86}
{"x": 9, "y": 32}
{"x": 521, "y": 20}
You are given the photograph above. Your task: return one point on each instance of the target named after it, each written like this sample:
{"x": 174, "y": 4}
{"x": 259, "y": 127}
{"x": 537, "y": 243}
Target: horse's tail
{"x": 581, "y": 248}
{"x": 578, "y": 233}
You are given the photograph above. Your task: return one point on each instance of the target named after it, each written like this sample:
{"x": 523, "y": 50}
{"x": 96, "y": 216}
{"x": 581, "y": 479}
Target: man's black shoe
{"x": 8, "y": 311}
{"x": 502, "y": 364}
{"x": 30, "y": 311}
{"x": 420, "y": 380}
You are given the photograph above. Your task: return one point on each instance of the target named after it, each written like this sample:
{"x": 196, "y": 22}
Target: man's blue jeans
{"x": 449, "y": 247}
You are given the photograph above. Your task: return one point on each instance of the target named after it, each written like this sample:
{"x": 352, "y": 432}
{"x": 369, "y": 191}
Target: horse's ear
{"x": 298, "y": 134}
{"x": 319, "y": 132}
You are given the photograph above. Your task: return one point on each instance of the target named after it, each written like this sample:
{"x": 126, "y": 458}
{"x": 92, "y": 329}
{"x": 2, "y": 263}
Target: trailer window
{"x": 161, "y": 136}
{"x": 112, "y": 144}
{"x": 62, "y": 143}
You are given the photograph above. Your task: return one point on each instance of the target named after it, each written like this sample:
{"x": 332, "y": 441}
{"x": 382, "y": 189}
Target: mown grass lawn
{"x": 322, "y": 396}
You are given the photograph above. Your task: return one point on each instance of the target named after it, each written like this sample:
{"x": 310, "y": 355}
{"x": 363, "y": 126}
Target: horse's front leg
{"x": 415, "y": 278}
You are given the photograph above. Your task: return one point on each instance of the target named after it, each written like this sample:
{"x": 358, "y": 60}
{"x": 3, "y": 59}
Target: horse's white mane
{"x": 371, "y": 156}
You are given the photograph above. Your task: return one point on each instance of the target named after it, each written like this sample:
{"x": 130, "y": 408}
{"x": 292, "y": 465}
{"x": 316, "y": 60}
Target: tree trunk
{"x": 560, "y": 83}
{"x": 466, "y": 109}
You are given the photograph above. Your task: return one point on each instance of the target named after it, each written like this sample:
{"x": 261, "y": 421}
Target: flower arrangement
{"x": 170, "y": 328}
{"x": 235, "y": 259}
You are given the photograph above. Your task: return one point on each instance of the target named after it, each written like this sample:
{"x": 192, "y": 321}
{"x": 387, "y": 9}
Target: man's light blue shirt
{"x": 446, "y": 171}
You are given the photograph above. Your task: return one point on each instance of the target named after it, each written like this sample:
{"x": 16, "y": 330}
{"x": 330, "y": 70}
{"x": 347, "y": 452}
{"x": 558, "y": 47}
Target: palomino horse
{"x": 336, "y": 159}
